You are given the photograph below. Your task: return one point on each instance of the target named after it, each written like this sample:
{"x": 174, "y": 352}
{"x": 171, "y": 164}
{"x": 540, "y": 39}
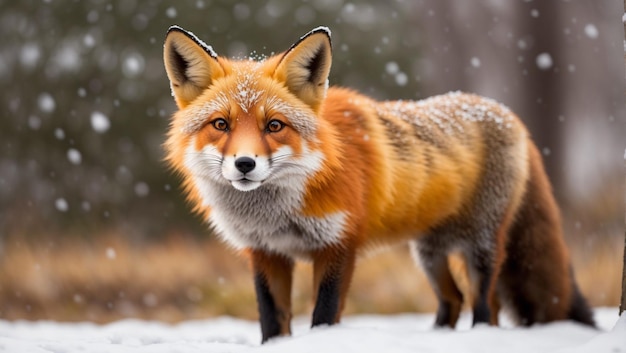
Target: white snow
{"x": 401, "y": 79}
{"x": 59, "y": 133}
{"x": 171, "y": 12}
{"x": 591, "y": 31}
{"x": 61, "y": 205}
{"x": 142, "y": 189}
{"x": 362, "y": 333}
{"x": 89, "y": 41}
{"x": 46, "y": 102}
{"x": 392, "y": 67}
{"x": 133, "y": 64}
{"x": 30, "y": 55}
{"x": 100, "y": 122}
{"x": 67, "y": 56}
{"x": 544, "y": 61}
{"x": 74, "y": 156}
{"x": 34, "y": 122}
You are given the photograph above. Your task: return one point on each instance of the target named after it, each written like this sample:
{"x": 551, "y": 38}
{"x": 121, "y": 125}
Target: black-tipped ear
{"x": 191, "y": 65}
{"x": 305, "y": 67}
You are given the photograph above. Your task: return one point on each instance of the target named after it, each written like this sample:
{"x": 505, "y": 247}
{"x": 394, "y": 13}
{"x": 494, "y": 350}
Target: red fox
{"x": 286, "y": 168}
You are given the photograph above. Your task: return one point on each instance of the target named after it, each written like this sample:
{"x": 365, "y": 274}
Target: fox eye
{"x": 275, "y": 126}
{"x": 220, "y": 124}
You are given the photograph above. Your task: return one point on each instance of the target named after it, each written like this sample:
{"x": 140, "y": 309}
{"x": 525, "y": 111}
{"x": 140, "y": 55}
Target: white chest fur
{"x": 268, "y": 217}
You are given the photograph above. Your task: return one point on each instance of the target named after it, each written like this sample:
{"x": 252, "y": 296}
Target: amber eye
{"x": 275, "y": 126}
{"x": 220, "y": 124}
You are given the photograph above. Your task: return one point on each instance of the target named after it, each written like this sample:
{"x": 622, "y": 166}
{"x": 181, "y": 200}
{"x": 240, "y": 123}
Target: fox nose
{"x": 244, "y": 164}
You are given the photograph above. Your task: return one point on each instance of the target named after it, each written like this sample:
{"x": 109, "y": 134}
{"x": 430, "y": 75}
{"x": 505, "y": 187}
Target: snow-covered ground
{"x": 364, "y": 333}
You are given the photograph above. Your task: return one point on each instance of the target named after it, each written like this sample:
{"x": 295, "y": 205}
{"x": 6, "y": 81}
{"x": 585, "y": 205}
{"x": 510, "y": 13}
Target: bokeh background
{"x": 94, "y": 227}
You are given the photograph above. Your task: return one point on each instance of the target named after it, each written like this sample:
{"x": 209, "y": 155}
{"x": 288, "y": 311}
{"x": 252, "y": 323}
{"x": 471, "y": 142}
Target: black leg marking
{"x": 447, "y": 313}
{"x": 268, "y": 315}
{"x": 483, "y": 274}
{"x": 327, "y": 303}
{"x": 444, "y": 313}
{"x": 435, "y": 264}
{"x": 481, "y": 312}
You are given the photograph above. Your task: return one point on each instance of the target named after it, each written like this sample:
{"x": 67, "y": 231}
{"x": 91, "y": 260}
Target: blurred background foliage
{"x": 86, "y": 103}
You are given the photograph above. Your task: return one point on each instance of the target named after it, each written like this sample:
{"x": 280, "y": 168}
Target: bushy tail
{"x": 536, "y": 281}
{"x": 579, "y": 309}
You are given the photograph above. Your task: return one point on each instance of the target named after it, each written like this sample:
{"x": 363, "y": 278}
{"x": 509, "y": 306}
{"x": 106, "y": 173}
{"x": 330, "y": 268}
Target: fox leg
{"x": 484, "y": 260}
{"x": 449, "y": 297}
{"x": 272, "y": 281}
{"x": 482, "y": 271}
{"x": 332, "y": 274}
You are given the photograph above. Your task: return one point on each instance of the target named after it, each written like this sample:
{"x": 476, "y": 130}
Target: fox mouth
{"x": 245, "y": 184}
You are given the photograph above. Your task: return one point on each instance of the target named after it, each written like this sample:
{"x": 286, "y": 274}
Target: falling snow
{"x": 392, "y": 67}
{"x": 99, "y": 122}
{"x": 142, "y": 189}
{"x": 133, "y": 65}
{"x": 74, "y": 156}
{"x": 544, "y": 61}
{"x": 30, "y": 55}
{"x": 34, "y": 122}
{"x": 171, "y": 12}
{"x": 59, "y": 134}
{"x": 591, "y": 31}
{"x": 61, "y": 205}
{"x": 89, "y": 41}
{"x": 401, "y": 79}
{"x": 46, "y": 103}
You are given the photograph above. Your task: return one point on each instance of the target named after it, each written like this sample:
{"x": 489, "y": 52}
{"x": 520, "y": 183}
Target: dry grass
{"x": 179, "y": 279}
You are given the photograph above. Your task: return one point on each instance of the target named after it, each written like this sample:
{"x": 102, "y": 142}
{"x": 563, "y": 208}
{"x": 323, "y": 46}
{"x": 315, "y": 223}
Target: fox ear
{"x": 304, "y": 68}
{"x": 191, "y": 65}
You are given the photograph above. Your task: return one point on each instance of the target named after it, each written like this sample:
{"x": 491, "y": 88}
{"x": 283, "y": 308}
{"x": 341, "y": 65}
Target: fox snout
{"x": 247, "y": 172}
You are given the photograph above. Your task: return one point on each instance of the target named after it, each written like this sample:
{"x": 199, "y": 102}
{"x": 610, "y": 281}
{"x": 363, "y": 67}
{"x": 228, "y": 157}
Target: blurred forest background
{"x": 93, "y": 225}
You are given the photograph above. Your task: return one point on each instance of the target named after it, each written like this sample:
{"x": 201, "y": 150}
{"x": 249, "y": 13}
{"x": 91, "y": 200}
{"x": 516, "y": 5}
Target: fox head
{"x": 242, "y": 122}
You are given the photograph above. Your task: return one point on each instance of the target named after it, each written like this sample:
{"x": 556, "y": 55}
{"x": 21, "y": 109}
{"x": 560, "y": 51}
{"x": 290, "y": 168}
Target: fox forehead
{"x": 248, "y": 88}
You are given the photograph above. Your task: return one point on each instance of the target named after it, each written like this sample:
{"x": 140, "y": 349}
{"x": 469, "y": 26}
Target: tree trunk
{"x": 543, "y": 84}
{"x": 622, "y": 306}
